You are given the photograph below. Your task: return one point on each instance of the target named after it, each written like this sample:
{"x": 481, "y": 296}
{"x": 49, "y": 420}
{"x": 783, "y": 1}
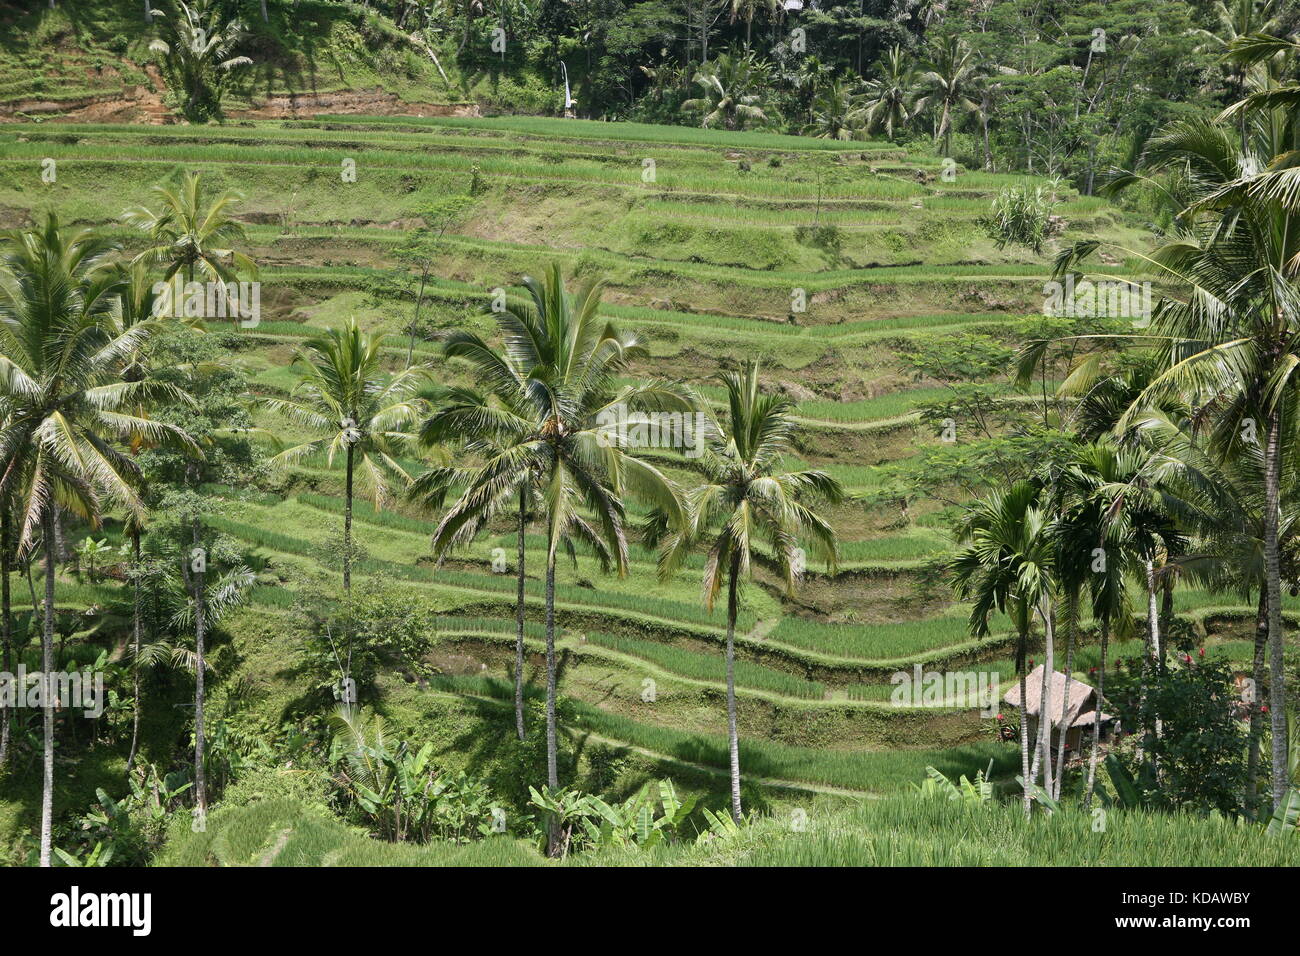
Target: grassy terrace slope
{"x": 705, "y": 259}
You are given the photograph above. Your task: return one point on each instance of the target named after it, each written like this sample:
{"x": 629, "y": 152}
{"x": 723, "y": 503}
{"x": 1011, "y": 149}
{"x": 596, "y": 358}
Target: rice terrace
{"x": 649, "y": 432}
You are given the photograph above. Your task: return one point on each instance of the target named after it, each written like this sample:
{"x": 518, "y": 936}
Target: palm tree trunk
{"x": 733, "y": 739}
{"x": 1273, "y": 588}
{"x": 47, "y": 691}
{"x": 1044, "y": 716}
{"x": 1024, "y": 726}
{"x": 1071, "y": 612}
{"x": 419, "y": 299}
{"x": 200, "y": 596}
{"x": 1157, "y": 656}
{"x": 135, "y": 636}
{"x": 519, "y": 615}
{"x": 348, "y": 695}
{"x": 1257, "y": 715}
{"x": 6, "y": 630}
{"x": 1096, "y": 730}
{"x": 552, "y": 771}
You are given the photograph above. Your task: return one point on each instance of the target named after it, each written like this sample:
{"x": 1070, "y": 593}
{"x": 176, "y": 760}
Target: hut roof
{"x": 1082, "y": 707}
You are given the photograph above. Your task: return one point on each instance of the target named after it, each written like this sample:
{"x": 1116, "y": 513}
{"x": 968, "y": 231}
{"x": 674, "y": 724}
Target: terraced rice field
{"x": 828, "y": 262}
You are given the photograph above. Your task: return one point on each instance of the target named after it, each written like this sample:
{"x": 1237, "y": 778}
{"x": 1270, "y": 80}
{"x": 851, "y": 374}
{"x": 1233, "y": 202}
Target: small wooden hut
{"x": 1081, "y": 713}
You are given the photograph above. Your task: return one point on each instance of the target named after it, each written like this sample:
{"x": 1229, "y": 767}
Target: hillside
{"x": 705, "y": 262}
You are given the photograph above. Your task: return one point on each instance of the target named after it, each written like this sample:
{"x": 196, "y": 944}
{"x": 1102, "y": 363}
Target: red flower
{"x": 1201, "y": 652}
{"x": 1263, "y": 708}
{"x": 999, "y": 716}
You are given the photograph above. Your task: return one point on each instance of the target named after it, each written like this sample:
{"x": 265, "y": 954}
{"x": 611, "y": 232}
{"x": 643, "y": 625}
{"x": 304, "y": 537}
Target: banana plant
{"x": 1286, "y": 818}
{"x": 99, "y": 856}
{"x": 90, "y": 551}
{"x": 979, "y": 790}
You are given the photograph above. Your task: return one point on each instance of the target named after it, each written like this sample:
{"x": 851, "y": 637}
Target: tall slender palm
{"x": 136, "y": 304}
{"x": 888, "y": 97}
{"x": 950, "y": 76}
{"x": 191, "y": 233}
{"x": 1007, "y": 565}
{"x": 1229, "y": 340}
{"x": 482, "y": 426}
{"x": 60, "y": 361}
{"x": 1235, "y": 343}
{"x": 1220, "y": 499}
{"x": 555, "y": 381}
{"x": 748, "y": 499}
{"x": 747, "y": 9}
{"x": 344, "y": 395}
{"x": 1102, "y": 551}
{"x": 6, "y": 622}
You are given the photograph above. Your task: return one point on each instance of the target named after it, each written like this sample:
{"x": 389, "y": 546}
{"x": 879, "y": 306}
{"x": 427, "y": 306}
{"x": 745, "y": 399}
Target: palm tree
{"x": 60, "y": 362}
{"x": 746, "y": 9}
{"x": 483, "y": 426}
{"x": 728, "y": 97}
{"x": 1220, "y": 499}
{"x": 554, "y": 380}
{"x": 189, "y": 233}
{"x": 950, "y": 75}
{"x": 200, "y": 54}
{"x": 887, "y": 97}
{"x": 1234, "y": 24}
{"x": 748, "y": 499}
{"x": 1008, "y": 564}
{"x": 1231, "y": 344}
{"x": 6, "y": 623}
{"x": 837, "y": 113}
{"x": 344, "y": 395}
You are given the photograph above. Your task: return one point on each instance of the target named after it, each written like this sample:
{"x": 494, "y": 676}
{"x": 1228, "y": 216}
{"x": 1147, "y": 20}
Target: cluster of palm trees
{"x": 78, "y": 396}
{"x": 539, "y": 428}
{"x": 949, "y": 84}
{"x": 1187, "y": 466}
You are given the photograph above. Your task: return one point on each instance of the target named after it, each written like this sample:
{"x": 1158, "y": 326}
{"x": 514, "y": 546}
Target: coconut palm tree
{"x": 1007, "y": 564}
{"x": 482, "y": 426}
{"x": 747, "y": 9}
{"x": 60, "y": 361}
{"x": 748, "y": 499}
{"x": 887, "y": 98}
{"x": 950, "y": 76}
{"x": 1220, "y": 499}
{"x": 1229, "y": 342}
{"x": 729, "y": 93}
{"x": 360, "y": 412}
{"x": 199, "y": 54}
{"x": 191, "y": 233}
{"x": 6, "y": 622}
{"x": 837, "y": 113}
{"x": 554, "y": 379}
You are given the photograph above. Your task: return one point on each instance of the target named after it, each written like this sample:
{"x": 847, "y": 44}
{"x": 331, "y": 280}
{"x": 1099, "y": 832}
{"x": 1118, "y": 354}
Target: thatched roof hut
{"x": 1081, "y": 710}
